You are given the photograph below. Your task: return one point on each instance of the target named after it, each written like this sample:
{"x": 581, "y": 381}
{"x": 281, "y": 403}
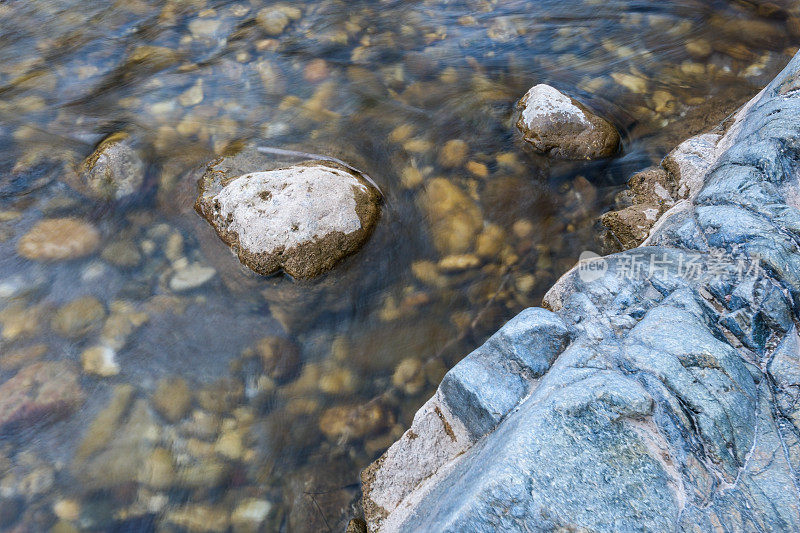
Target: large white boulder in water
{"x": 302, "y": 219}
{"x": 561, "y": 127}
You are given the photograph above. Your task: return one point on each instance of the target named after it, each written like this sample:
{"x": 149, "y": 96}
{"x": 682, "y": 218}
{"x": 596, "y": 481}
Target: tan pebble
{"x": 200, "y": 518}
{"x": 354, "y": 422}
{"x": 337, "y": 381}
{"x": 7, "y": 216}
{"x": 490, "y": 242}
{"x": 203, "y": 27}
{"x": 409, "y": 376}
{"x": 411, "y": 177}
{"x": 78, "y": 317}
{"x": 67, "y": 509}
{"x": 454, "y": 263}
{"x": 290, "y": 11}
{"x": 454, "y": 153}
{"x": 249, "y": 515}
{"x": 525, "y": 283}
{"x": 467, "y": 20}
{"x": 122, "y": 254}
{"x": 173, "y": 249}
{"x": 59, "y": 238}
{"x": 523, "y": 228}
{"x": 230, "y": 445}
{"x": 192, "y": 96}
{"x": 401, "y": 133}
{"x": 508, "y": 160}
{"x": 693, "y": 69}
{"x": 417, "y": 146}
{"x": 699, "y": 49}
{"x": 454, "y": 216}
{"x": 449, "y": 75}
{"x": 316, "y": 70}
{"x": 390, "y": 310}
{"x": 635, "y": 84}
{"x": 272, "y": 20}
{"x": 428, "y": 273}
{"x": 159, "y": 469}
{"x": 19, "y": 321}
{"x": 106, "y": 423}
{"x": 478, "y": 169}
{"x": 172, "y": 398}
{"x": 663, "y": 101}
{"x": 100, "y": 361}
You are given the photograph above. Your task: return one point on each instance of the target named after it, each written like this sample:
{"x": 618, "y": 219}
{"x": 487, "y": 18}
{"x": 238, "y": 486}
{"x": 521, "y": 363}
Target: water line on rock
{"x": 295, "y": 153}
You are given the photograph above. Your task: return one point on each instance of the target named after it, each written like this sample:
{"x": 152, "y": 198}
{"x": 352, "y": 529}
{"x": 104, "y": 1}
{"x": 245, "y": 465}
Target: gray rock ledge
{"x": 658, "y": 399}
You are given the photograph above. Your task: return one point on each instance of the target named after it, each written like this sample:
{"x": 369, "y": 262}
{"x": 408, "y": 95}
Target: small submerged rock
{"x": 172, "y": 399}
{"x": 79, "y": 317}
{"x": 302, "y": 219}
{"x": 561, "y": 127}
{"x": 191, "y": 277}
{"x": 113, "y": 171}
{"x": 40, "y": 391}
{"x": 56, "y": 239}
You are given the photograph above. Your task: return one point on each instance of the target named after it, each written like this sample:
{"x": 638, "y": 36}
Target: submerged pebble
{"x": 57, "y": 239}
{"x": 40, "y": 392}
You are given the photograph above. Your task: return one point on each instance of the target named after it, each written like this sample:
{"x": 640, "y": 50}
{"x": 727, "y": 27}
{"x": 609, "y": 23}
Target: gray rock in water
{"x": 561, "y": 127}
{"x": 302, "y": 219}
{"x": 115, "y": 170}
{"x": 659, "y": 394}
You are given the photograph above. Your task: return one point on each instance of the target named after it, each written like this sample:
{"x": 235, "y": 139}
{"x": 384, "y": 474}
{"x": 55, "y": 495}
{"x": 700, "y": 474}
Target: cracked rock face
{"x": 302, "y": 219}
{"x": 561, "y": 127}
{"x": 659, "y": 393}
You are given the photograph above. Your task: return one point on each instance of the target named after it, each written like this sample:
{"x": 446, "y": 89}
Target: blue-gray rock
{"x": 660, "y": 392}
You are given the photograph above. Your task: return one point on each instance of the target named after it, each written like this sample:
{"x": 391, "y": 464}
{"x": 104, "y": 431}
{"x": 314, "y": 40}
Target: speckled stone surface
{"x": 302, "y": 219}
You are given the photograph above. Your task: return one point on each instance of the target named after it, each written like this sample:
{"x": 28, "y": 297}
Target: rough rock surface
{"x": 659, "y": 392}
{"x": 561, "y": 127}
{"x": 113, "y": 171}
{"x": 655, "y": 190}
{"x": 39, "y": 392}
{"x": 302, "y": 219}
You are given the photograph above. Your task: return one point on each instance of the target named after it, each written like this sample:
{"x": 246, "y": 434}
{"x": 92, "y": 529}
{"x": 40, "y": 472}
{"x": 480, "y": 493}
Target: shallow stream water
{"x": 185, "y": 426}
